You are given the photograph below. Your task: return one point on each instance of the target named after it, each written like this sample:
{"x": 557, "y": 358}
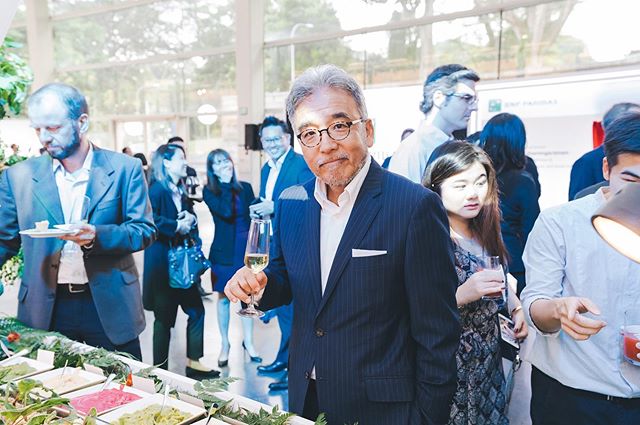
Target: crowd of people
{"x": 388, "y": 286}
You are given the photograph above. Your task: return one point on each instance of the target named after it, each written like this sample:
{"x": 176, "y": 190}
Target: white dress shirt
{"x": 333, "y": 221}
{"x": 410, "y": 160}
{"x": 274, "y": 172}
{"x": 565, "y": 257}
{"x": 72, "y": 188}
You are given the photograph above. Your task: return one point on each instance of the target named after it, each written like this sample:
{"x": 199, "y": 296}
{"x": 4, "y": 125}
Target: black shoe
{"x": 280, "y": 385}
{"x": 199, "y": 374}
{"x": 273, "y": 367}
{"x": 223, "y": 363}
{"x": 255, "y": 359}
{"x": 203, "y": 292}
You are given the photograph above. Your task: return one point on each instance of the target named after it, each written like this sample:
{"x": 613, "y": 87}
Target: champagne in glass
{"x": 256, "y": 258}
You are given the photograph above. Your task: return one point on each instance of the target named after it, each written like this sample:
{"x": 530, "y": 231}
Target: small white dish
{"x": 195, "y": 411}
{"x": 48, "y": 233}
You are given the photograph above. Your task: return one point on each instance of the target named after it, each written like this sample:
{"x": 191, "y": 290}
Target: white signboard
{"x": 9, "y": 8}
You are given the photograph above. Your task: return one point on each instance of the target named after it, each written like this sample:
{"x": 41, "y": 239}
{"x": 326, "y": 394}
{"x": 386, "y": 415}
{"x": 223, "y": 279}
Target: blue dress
{"x": 241, "y": 225}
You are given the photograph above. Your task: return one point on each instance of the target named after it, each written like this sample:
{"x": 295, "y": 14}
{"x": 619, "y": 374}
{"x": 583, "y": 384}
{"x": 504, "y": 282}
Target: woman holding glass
{"x": 465, "y": 180}
{"x": 228, "y": 200}
{"x": 174, "y": 217}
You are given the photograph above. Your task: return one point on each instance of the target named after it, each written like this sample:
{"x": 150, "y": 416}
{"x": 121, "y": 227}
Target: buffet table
{"x": 45, "y": 374}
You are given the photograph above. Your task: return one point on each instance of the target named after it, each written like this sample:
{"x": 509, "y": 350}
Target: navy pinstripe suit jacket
{"x": 384, "y": 334}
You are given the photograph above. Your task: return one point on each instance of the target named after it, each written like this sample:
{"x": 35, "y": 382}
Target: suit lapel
{"x": 100, "y": 179}
{"x": 312, "y": 231}
{"x": 46, "y": 190}
{"x": 283, "y": 177}
{"x": 263, "y": 179}
{"x": 367, "y": 206}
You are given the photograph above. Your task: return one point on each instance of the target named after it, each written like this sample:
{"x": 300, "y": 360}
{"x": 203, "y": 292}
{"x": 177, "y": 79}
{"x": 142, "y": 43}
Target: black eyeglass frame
{"x": 348, "y": 123}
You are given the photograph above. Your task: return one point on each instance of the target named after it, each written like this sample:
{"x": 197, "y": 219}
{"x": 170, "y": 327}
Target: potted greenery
{"x": 15, "y": 79}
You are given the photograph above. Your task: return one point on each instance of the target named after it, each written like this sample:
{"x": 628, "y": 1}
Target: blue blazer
{"x": 383, "y": 336}
{"x": 224, "y": 219}
{"x": 294, "y": 171}
{"x": 586, "y": 171}
{"x": 120, "y": 211}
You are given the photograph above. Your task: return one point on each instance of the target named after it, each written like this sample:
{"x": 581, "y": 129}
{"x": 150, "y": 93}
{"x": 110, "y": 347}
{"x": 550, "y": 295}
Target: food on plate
{"x": 153, "y": 415}
{"x": 64, "y": 383}
{"x": 103, "y": 400}
{"x": 41, "y": 226}
{"x": 11, "y": 372}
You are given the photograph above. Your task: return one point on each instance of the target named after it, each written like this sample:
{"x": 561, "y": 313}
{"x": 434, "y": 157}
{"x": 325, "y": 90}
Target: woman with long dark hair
{"x": 174, "y": 217}
{"x": 503, "y": 138}
{"x": 228, "y": 200}
{"x": 465, "y": 180}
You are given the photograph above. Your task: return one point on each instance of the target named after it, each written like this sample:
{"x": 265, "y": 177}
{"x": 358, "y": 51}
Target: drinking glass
{"x": 492, "y": 262}
{"x": 256, "y": 257}
{"x": 82, "y": 218}
{"x": 631, "y": 337}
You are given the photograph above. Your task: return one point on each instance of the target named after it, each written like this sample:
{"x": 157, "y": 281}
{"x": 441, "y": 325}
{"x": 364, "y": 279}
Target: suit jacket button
{"x": 307, "y": 375}
{"x": 54, "y": 266}
{"x": 319, "y": 333}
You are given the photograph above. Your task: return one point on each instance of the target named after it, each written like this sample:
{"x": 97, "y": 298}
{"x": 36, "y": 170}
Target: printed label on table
{"x": 93, "y": 369}
{"x": 144, "y": 384}
{"x": 46, "y": 356}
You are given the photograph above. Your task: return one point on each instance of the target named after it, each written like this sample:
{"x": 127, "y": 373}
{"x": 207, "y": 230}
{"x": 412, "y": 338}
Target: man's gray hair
{"x": 70, "y": 96}
{"x": 329, "y": 76}
{"x": 446, "y": 84}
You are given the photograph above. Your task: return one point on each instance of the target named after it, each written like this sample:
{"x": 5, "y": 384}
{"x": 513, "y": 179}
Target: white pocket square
{"x": 366, "y": 252}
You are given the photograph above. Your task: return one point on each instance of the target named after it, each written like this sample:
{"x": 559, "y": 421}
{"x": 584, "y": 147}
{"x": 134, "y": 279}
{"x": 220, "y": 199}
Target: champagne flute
{"x": 256, "y": 257}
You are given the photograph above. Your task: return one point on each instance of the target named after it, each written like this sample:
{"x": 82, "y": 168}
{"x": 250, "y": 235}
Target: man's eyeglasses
{"x": 339, "y": 130}
{"x": 470, "y": 99}
{"x": 271, "y": 140}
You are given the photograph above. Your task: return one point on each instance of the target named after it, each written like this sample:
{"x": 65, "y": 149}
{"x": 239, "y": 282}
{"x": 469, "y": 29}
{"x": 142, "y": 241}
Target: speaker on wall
{"x": 251, "y": 137}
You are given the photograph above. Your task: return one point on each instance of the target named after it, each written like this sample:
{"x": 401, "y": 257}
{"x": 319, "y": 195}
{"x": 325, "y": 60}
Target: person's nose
{"x": 44, "y": 136}
{"x": 327, "y": 144}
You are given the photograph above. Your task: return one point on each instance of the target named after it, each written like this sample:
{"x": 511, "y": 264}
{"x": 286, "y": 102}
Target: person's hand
{"x": 569, "y": 311}
{"x": 481, "y": 283}
{"x": 244, "y": 283}
{"x": 264, "y": 208}
{"x": 520, "y": 328}
{"x": 85, "y": 234}
{"x": 252, "y": 211}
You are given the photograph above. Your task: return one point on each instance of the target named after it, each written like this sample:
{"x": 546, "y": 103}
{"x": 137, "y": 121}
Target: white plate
{"x": 196, "y": 412}
{"x": 49, "y": 233}
{"x": 89, "y": 379}
{"x": 212, "y": 421}
{"x": 38, "y": 366}
{"x": 97, "y": 388}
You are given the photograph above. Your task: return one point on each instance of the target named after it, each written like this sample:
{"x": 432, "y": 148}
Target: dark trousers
{"x": 195, "y": 335}
{"x": 285, "y": 319}
{"x": 555, "y": 404}
{"x": 311, "y": 408}
{"x": 75, "y": 316}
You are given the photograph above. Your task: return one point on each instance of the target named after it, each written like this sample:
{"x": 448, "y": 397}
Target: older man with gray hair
{"x": 449, "y": 98}
{"x": 367, "y": 260}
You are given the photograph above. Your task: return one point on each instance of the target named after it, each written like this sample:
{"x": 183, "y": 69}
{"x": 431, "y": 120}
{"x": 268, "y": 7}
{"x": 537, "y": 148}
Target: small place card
{"x": 93, "y": 369}
{"x": 191, "y": 399}
{"x": 144, "y": 384}
{"x": 46, "y": 356}
{"x": 5, "y": 350}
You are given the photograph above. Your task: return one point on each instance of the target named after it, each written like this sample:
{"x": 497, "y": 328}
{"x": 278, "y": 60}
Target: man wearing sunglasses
{"x": 449, "y": 98}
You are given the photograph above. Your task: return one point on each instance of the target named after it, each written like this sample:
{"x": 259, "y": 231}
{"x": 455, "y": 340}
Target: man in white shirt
{"x": 84, "y": 286}
{"x": 366, "y": 257}
{"x": 449, "y": 98}
{"x": 285, "y": 168}
{"x": 578, "y": 290}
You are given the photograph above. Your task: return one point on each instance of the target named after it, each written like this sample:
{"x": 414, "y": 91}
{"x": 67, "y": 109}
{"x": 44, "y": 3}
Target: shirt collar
{"x": 350, "y": 192}
{"x": 278, "y": 164}
{"x": 86, "y": 165}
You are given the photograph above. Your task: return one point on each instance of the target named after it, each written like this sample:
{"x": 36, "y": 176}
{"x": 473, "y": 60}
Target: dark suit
{"x": 520, "y": 209}
{"x": 294, "y": 171}
{"x": 158, "y": 296}
{"x": 383, "y": 336}
{"x": 586, "y": 171}
{"x": 121, "y": 214}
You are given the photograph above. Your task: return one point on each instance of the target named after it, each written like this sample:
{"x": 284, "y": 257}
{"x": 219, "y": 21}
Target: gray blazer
{"x": 120, "y": 211}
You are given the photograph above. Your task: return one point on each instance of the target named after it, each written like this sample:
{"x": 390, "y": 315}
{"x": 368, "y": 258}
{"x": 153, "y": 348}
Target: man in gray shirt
{"x": 449, "y": 98}
{"x": 578, "y": 289}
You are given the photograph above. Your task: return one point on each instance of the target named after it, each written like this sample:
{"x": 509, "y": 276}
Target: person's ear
{"x": 606, "y": 171}
{"x": 369, "y": 132}
{"x": 438, "y": 98}
{"x": 83, "y": 123}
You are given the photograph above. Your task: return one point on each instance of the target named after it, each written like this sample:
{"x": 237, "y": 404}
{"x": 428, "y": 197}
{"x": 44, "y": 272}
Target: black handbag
{"x": 187, "y": 262}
